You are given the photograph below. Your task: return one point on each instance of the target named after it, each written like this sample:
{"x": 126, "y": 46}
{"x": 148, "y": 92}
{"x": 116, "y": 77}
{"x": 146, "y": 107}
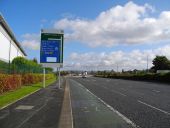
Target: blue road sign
{"x": 51, "y": 48}
{"x": 50, "y": 51}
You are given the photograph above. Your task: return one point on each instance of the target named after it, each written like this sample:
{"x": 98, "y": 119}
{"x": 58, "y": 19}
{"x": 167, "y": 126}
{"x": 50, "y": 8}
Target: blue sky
{"x": 26, "y": 18}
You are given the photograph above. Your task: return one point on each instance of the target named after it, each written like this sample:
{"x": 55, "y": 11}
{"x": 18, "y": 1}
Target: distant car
{"x": 84, "y": 74}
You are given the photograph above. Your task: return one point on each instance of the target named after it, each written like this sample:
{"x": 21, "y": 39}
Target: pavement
{"x": 145, "y": 104}
{"x": 39, "y": 110}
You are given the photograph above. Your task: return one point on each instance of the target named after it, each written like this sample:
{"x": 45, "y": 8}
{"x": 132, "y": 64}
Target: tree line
{"x": 159, "y": 63}
{"x": 21, "y": 65}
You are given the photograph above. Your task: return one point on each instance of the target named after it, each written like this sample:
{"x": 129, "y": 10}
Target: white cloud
{"x": 136, "y": 59}
{"x": 31, "y": 41}
{"x": 32, "y": 44}
{"x": 128, "y": 24}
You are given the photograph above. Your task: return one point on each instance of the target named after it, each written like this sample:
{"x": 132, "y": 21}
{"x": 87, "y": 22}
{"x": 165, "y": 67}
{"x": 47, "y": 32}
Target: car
{"x": 84, "y": 74}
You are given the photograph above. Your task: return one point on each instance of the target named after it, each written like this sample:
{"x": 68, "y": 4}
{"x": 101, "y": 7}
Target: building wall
{"x": 4, "y": 47}
{"x": 8, "y": 49}
{"x": 14, "y": 51}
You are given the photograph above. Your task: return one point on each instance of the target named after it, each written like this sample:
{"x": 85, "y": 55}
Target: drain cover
{"x": 24, "y": 107}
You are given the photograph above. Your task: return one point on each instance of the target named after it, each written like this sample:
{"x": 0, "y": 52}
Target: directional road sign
{"x": 51, "y": 49}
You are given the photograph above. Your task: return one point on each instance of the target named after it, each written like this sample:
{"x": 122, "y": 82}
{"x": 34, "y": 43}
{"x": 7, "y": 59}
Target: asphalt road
{"x": 146, "y": 104}
{"x": 39, "y": 110}
{"x": 89, "y": 112}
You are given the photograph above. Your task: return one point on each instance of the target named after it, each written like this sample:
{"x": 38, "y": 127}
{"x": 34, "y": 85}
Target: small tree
{"x": 35, "y": 60}
{"x": 160, "y": 63}
{"x": 23, "y": 65}
{"x": 49, "y": 70}
{"x": 19, "y": 64}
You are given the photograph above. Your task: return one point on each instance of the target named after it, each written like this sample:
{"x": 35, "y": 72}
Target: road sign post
{"x": 59, "y": 78}
{"x": 51, "y": 49}
{"x": 44, "y": 77}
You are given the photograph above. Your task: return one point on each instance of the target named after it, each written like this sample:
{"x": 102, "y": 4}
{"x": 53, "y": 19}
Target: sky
{"x": 99, "y": 34}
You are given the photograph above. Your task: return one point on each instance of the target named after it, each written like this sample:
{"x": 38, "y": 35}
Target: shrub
{"x": 31, "y": 78}
{"x": 9, "y": 82}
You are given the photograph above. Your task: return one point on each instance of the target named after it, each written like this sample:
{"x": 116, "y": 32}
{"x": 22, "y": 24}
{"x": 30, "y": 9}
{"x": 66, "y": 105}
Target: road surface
{"x": 145, "y": 104}
{"x": 90, "y": 112}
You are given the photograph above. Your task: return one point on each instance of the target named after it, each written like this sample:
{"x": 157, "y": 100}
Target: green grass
{"x": 12, "y": 96}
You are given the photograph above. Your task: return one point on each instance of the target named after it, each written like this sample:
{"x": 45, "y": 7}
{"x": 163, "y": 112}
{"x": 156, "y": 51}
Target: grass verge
{"x": 12, "y": 96}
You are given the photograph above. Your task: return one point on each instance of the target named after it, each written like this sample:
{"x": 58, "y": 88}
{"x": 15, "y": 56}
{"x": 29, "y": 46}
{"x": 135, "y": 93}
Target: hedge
{"x": 34, "y": 78}
{"x": 165, "y": 78}
{"x": 12, "y": 82}
{"x": 9, "y": 82}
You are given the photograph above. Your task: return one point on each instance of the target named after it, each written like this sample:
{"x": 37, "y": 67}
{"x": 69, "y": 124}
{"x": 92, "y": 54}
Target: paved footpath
{"x": 90, "y": 112}
{"x": 39, "y": 110}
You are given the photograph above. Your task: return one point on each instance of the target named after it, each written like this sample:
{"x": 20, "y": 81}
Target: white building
{"x": 9, "y": 46}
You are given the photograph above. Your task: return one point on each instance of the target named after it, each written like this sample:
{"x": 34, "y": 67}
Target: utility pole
{"x": 147, "y": 63}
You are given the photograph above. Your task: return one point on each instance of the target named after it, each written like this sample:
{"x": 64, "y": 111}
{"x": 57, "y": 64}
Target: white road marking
{"x": 111, "y": 108}
{"x": 104, "y": 87}
{"x": 24, "y": 107}
{"x": 156, "y": 91}
{"x": 96, "y": 109}
{"x": 118, "y": 93}
{"x": 86, "y": 111}
{"x": 4, "y": 114}
{"x": 114, "y": 91}
{"x": 163, "y": 111}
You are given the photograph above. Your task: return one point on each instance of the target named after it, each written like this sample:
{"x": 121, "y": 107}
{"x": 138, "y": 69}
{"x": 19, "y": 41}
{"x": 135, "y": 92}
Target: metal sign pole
{"x": 59, "y": 78}
{"x": 44, "y": 78}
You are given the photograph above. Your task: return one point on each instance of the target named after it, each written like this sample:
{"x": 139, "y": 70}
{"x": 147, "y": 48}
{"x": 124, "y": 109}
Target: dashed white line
{"x": 118, "y": 93}
{"x": 104, "y": 87}
{"x": 156, "y": 91}
{"x": 158, "y": 109}
{"x": 114, "y": 91}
